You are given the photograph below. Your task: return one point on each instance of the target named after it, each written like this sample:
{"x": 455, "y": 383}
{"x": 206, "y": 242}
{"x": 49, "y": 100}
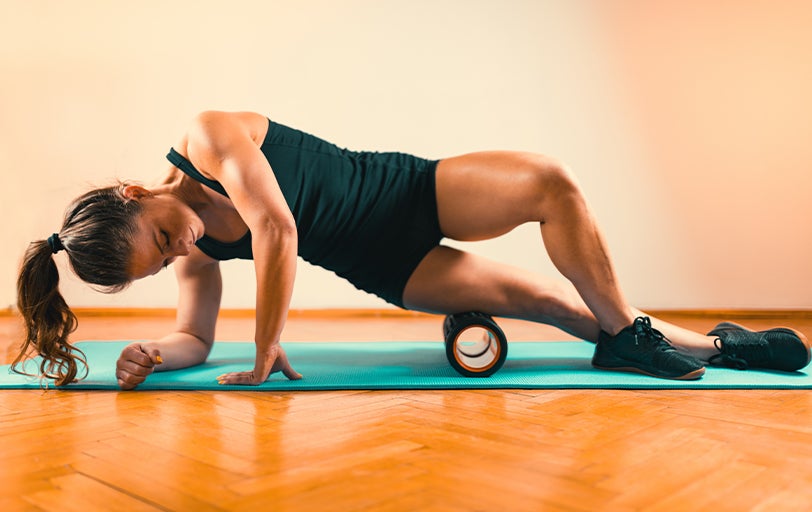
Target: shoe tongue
{"x": 744, "y": 339}
{"x": 642, "y": 327}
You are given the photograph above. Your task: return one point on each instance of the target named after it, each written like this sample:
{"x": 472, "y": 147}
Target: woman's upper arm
{"x": 200, "y": 288}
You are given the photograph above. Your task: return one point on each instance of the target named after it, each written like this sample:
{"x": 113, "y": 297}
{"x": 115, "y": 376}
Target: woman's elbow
{"x": 279, "y": 227}
{"x": 282, "y": 225}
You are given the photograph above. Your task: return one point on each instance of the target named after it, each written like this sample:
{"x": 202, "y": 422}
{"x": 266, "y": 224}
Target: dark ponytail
{"x": 97, "y": 235}
{"x": 47, "y": 317}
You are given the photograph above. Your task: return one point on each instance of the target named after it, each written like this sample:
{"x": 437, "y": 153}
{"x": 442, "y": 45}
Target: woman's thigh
{"x": 452, "y": 281}
{"x": 484, "y": 195}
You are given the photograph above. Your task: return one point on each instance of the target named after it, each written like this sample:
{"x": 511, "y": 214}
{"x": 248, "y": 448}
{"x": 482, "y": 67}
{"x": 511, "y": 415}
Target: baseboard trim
{"x": 782, "y": 314}
{"x": 734, "y": 314}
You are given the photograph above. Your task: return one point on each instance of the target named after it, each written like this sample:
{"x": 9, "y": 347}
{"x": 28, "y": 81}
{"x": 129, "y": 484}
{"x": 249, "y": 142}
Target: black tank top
{"x": 213, "y": 248}
{"x": 343, "y": 201}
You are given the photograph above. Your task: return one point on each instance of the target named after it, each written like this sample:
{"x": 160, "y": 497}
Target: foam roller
{"x": 474, "y": 344}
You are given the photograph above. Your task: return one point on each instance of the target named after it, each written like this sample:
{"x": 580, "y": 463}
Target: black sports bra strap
{"x": 186, "y": 166}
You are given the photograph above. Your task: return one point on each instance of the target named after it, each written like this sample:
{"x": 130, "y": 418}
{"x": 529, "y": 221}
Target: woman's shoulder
{"x": 212, "y": 134}
{"x": 217, "y": 126}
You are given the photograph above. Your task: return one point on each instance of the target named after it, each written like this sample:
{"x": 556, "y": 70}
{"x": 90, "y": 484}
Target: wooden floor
{"x": 400, "y": 450}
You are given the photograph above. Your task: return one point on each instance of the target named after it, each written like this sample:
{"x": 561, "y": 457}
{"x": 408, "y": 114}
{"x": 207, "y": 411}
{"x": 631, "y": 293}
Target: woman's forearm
{"x": 179, "y": 350}
{"x": 275, "y": 261}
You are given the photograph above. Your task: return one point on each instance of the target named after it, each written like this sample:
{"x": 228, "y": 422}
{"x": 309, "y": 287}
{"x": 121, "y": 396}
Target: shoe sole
{"x": 732, "y": 326}
{"x": 694, "y": 375}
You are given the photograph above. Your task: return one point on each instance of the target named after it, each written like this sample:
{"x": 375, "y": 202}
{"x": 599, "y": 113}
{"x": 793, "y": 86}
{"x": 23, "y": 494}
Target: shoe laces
{"x": 643, "y": 329}
{"x": 739, "y": 355}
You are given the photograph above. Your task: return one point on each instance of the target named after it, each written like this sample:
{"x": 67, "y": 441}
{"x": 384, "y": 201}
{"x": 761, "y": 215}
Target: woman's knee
{"x": 551, "y": 183}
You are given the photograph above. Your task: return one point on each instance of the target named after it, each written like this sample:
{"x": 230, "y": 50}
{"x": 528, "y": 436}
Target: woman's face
{"x": 166, "y": 229}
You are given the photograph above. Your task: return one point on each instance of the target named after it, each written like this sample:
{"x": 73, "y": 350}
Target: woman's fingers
{"x": 129, "y": 376}
{"x": 135, "y": 364}
{"x": 154, "y": 355}
{"x": 238, "y": 379}
{"x": 253, "y": 378}
{"x": 282, "y": 364}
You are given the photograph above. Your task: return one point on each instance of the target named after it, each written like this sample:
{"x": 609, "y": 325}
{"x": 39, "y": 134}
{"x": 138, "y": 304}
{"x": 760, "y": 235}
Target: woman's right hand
{"x": 135, "y": 364}
{"x": 274, "y": 361}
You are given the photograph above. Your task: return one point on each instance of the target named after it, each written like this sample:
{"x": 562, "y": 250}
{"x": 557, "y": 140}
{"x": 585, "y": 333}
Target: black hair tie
{"x": 55, "y": 243}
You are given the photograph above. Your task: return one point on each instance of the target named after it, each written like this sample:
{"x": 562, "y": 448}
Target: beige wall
{"x": 687, "y": 122}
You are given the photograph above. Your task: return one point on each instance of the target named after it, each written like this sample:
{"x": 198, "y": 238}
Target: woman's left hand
{"x": 274, "y": 361}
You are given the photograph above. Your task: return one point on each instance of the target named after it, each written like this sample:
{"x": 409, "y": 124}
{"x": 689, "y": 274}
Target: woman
{"x": 241, "y": 186}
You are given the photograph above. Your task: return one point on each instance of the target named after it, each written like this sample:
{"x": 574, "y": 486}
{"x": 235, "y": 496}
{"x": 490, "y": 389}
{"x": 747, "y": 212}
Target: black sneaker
{"x": 775, "y": 349}
{"x": 643, "y": 349}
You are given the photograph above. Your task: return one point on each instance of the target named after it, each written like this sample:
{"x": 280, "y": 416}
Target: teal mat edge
{"x": 332, "y": 366}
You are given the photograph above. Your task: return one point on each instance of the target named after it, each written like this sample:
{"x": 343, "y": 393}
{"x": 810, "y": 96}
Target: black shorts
{"x": 383, "y": 261}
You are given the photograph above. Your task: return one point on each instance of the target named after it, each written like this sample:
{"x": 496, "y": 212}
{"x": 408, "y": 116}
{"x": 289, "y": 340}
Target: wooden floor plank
{"x": 328, "y": 467}
{"x": 140, "y": 485}
{"x": 18, "y": 484}
{"x": 79, "y": 493}
{"x": 18, "y": 504}
{"x": 724, "y": 481}
{"x": 156, "y": 467}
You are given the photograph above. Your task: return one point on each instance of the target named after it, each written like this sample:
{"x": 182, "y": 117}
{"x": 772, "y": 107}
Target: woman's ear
{"x": 136, "y": 192}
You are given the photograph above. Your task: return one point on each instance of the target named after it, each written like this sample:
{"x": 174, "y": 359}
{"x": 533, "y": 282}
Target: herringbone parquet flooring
{"x": 400, "y": 450}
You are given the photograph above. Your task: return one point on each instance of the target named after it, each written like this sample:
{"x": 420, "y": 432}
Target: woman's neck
{"x": 184, "y": 188}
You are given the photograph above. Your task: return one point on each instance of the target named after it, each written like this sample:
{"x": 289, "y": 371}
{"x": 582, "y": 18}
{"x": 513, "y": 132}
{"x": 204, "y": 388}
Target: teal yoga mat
{"x": 407, "y": 365}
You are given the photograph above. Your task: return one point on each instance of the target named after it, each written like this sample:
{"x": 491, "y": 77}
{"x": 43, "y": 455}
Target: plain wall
{"x": 687, "y": 123}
